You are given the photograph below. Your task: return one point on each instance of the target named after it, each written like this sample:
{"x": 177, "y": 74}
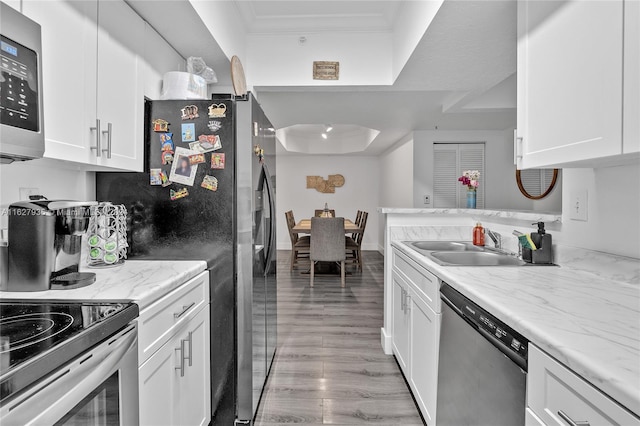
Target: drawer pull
{"x": 564, "y": 416}
{"x": 184, "y": 311}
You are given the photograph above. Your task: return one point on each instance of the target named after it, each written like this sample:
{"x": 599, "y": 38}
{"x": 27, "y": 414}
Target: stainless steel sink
{"x": 443, "y": 246}
{"x": 482, "y": 258}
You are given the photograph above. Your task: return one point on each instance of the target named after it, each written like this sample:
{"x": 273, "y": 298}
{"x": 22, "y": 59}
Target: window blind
{"x": 450, "y": 160}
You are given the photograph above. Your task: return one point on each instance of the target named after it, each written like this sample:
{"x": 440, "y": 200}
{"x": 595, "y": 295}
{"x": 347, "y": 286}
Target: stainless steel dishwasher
{"x": 482, "y": 367}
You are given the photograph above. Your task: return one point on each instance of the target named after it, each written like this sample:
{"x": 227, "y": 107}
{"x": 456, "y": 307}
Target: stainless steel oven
{"x": 97, "y": 386}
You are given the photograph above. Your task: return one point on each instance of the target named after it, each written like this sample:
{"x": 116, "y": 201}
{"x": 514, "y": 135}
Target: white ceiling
{"x": 468, "y": 54}
{"x": 309, "y": 16}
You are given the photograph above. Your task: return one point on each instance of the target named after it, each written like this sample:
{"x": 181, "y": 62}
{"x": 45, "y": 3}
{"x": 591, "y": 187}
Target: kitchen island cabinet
{"x": 416, "y": 330}
{"x": 92, "y": 82}
{"x": 572, "y": 90}
{"x": 174, "y": 357}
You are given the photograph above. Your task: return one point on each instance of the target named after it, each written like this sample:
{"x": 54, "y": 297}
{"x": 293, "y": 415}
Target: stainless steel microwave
{"x": 21, "y": 120}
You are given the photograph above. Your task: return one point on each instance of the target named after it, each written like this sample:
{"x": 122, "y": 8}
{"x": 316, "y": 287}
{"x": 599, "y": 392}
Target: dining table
{"x": 304, "y": 227}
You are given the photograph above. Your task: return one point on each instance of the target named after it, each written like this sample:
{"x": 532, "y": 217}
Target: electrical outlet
{"x": 26, "y": 192}
{"x": 427, "y": 199}
{"x": 578, "y": 209}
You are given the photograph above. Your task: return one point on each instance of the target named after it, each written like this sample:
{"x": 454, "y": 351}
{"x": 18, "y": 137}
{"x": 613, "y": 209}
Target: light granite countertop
{"x": 589, "y": 324}
{"x": 529, "y": 216}
{"x": 140, "y": 281}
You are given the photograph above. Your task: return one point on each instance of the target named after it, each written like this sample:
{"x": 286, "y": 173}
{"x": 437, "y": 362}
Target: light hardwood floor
{"x": 330, "y": 367}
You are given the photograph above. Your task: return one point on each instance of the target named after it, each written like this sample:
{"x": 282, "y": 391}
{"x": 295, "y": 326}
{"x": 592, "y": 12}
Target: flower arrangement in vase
{"x": 470, "y": 178}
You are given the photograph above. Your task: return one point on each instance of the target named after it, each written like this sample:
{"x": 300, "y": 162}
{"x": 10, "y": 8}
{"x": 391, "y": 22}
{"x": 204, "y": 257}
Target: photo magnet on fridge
{"x": 188, "y": 132}
{"x": 196, "y": 159}
{"x": 181, "y": 170}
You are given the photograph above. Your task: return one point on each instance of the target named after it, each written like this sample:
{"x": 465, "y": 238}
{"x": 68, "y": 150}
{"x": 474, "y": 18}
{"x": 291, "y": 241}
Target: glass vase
{"x": 471, "y": 199}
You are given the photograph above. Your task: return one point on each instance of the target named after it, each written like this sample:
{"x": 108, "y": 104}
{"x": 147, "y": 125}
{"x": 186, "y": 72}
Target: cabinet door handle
{"x": 407, "y": 303}
{"x": 98, "y": 136}
{"x": 181, "y": 350}
{"x": 402, "y": 295}
{"x": 184, "y": 311}
{"x": 190, "y": 339}
{"x": 108, "y": 133}
{"x": 564, "y": 416}
{"x": 517, "y": 147}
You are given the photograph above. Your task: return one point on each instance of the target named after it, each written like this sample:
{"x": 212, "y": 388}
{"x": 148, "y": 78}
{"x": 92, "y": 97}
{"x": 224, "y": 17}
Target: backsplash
{"x": 55, "y": 180}
{"x": 604, "y": 265}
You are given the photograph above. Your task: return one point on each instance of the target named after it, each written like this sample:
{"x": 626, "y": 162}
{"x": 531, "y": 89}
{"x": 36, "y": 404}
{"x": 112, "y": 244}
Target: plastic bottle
{"x": 478, "y": 235}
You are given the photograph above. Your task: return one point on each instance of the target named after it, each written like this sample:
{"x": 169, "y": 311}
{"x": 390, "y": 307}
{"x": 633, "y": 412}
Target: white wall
{"x": 613, "y": 224}
{"x": 54, "y": 179}
{"x": 280, "y": 60}
{"x": 501, "y": 190}
{"x": 360, "y": 191}
{"x": 396, "y": 180}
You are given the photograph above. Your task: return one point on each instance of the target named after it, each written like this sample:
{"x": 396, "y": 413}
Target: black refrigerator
{"x": 208, "y": 193}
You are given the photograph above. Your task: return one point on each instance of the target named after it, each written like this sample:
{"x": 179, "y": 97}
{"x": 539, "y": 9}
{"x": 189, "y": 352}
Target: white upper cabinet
{"x": 93, "y": 81}
{"x": 631, "y": 96}
{"x": 570, "y": 82}
{"x": 120, "y": 88}
{"x": 69, "y": 60}
{"x": 159, "y": 58}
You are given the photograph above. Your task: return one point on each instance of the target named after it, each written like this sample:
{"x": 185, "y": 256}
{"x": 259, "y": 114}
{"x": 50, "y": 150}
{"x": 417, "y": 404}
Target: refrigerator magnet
{"x": 160, "y": 125}
{"x": 217, "y": 111}
{"x": 167, "y": 157}
{"x": 217, "y": 161}
{"x": 188, "y": 132}
{"x": 176, "y": 195}
{"x": 155, "y": 177}
{"x": 189, "y": 112}
{"x": 164, "y": 179}
{"x": 166, "y": 141}
{"x": 210, "y": 183}
{"x": 214, "y": 125}
{"x": 181, "y": 170}
{"x": 196, "y": 159}
{"x": 210, "y": 142}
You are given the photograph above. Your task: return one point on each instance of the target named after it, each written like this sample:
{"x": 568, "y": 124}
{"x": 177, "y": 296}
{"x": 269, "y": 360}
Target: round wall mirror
{"x": 536, "y": 184}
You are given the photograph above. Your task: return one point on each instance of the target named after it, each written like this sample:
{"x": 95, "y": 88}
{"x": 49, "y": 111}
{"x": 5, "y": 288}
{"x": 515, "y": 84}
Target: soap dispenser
{"x": 544, "y": 247}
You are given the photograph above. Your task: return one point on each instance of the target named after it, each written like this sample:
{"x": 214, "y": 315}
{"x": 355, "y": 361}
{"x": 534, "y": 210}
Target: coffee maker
{"x": 45, "y": 241}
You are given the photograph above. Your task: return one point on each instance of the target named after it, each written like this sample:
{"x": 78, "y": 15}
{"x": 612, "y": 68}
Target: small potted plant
{"x": 470, "y": 178}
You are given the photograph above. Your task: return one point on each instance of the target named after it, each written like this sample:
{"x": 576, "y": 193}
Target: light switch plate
{"x": 579, "y": 205}
{"x": 26, "y": 192}
{"x": 427, "y": 199}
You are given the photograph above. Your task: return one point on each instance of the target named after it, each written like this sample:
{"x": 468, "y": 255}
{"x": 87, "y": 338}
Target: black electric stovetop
{"x": 38, "y": 337}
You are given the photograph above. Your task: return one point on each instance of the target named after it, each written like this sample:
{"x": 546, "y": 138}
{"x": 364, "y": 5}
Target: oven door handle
{"x": 43, "y": 403}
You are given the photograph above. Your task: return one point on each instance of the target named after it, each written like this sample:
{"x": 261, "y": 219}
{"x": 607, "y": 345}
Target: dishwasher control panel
{"x": 478, "y": 317}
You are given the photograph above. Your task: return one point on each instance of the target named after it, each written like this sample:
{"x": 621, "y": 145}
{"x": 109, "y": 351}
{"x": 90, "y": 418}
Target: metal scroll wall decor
{"x": 327, "y": 186}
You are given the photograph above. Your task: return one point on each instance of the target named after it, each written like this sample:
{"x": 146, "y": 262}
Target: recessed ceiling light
{"x": 324, "y": 136}
{"x": 329, "y": 128}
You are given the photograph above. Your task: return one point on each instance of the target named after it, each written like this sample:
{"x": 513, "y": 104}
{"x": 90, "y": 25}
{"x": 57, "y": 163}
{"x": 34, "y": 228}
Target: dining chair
{"x": 357, "y": 222}
{"x": 353, "y": 245}
{"x": 300, "y": 246}
{"x": 318, "y": 213}
{"x": 327, "y": 244}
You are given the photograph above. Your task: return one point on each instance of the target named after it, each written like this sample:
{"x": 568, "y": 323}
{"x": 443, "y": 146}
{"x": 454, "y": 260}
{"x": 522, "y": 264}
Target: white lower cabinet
{"x": 423, "y": 355}
{"x": 400, "y": 337}
{"x": 174, "y": 357}
{"x": 558, "y": 397}
{"x": 416, "y": 330}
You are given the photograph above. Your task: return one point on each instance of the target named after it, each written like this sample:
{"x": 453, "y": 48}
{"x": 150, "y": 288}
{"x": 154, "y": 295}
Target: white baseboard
{"x": 386, "y": 342}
